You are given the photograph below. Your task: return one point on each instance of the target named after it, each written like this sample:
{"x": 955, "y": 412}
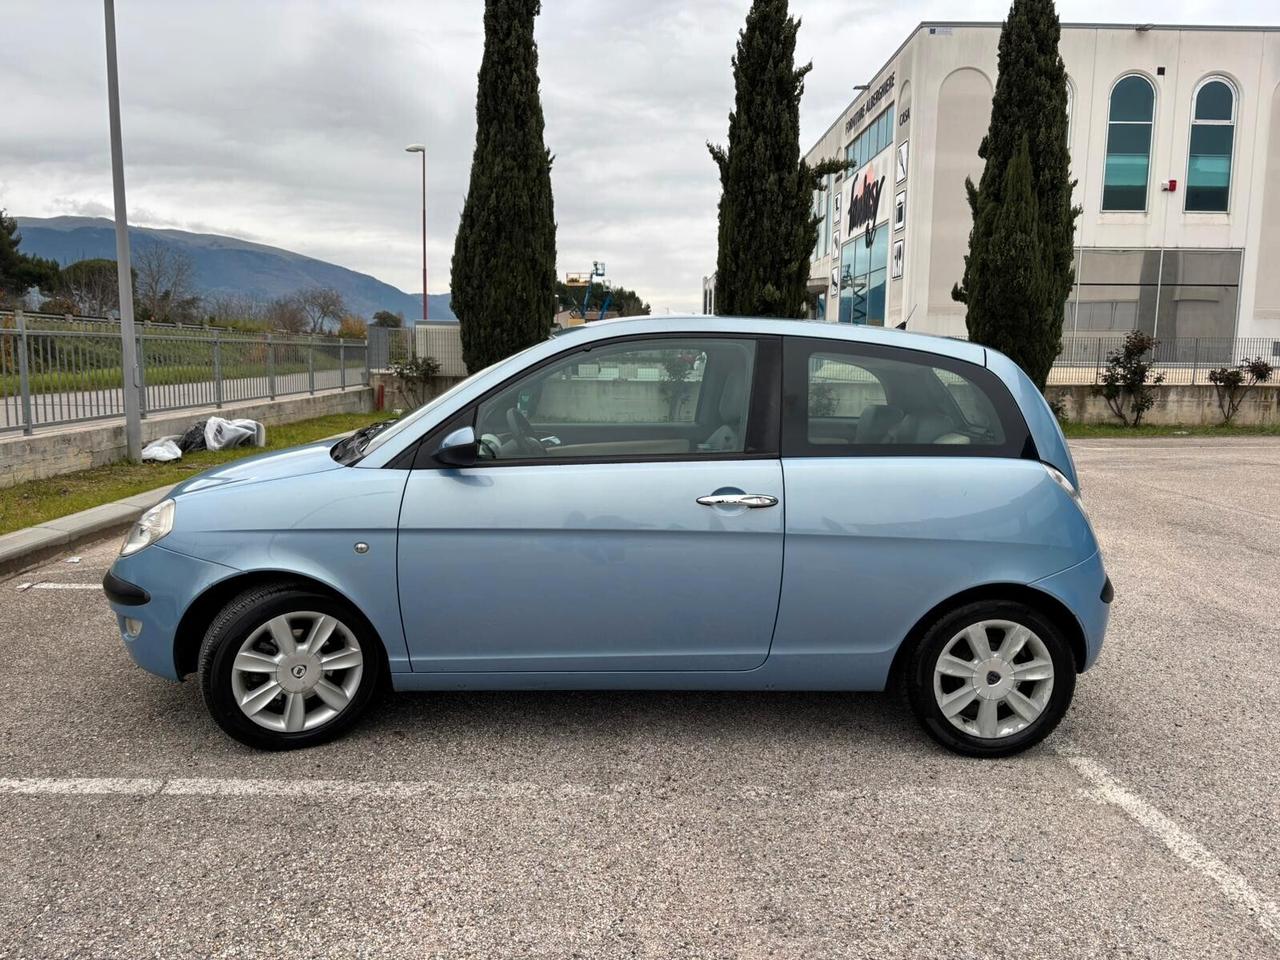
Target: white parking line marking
{"x": 1182, "y": 844}
{"x": 64, "y": 786}
{"x": 59, "y": 586}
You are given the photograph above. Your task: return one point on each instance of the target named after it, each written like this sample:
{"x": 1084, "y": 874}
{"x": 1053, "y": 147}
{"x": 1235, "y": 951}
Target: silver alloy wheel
{"x": 296, "y": 671}
{"x": 993, "y": 678}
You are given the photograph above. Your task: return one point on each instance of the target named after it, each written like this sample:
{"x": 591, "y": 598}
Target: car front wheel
{"x": 991, "y": 678}
{"x": 283, "y": 667}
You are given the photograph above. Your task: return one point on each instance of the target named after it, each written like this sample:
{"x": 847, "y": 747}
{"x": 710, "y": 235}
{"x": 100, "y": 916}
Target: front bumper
{"x": 1086, "y": 591}
{"x": 153, "y": 589}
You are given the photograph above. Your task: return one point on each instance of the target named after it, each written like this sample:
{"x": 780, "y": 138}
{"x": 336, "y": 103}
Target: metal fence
{"x": 388, "y": 345}
{"x": 1182, "y": 360}
{"x": 68, "y": 370}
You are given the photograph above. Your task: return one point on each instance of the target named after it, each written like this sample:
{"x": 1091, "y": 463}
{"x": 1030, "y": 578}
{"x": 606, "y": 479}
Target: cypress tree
{"x": 1014, "y": 293}
{"x": 1030, "y": 105}
{"x": 504, "y": 255}
{"x": 767, "y": 226}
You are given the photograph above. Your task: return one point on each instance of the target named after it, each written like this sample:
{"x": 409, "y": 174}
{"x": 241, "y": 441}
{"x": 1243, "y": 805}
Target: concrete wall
{"x": 49, "y": 453}
{"x": 394, "y": 398}
{"x": 1175, "y": 405}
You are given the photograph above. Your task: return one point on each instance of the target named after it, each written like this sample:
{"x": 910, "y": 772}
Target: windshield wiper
{"x": 351, "y": 448}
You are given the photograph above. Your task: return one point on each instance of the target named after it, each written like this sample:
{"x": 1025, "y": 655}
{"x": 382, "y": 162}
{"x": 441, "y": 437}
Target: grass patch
{"x": 38, "y": 501}
{"x": 1091, "y": 431}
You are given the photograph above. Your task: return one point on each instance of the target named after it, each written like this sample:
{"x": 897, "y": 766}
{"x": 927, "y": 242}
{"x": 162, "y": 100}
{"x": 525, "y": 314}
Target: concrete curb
{"x": 27, "y": 547}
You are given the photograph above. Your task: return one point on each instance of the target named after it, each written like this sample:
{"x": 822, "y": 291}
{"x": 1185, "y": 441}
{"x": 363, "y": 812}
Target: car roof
{"x": 855, "y": 333}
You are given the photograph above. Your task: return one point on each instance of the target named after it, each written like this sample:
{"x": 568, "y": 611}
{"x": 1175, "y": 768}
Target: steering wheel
{"x": 522, "y": 433}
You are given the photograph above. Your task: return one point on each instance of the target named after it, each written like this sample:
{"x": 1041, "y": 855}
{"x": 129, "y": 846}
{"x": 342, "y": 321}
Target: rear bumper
{"x": 1086, "y": 591}
{"x": 149, "y": 592}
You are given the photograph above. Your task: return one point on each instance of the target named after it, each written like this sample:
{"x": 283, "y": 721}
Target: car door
{"x": 911, "y": 478}
{"x": 626, "y": 514}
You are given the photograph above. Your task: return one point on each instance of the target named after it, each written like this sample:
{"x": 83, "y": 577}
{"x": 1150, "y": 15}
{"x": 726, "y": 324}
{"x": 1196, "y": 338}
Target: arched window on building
{"x": 1213, "y": 129}
{"x": 1129, "y": 124}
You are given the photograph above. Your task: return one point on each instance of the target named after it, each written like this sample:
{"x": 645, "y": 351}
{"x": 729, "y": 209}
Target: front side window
{"x": 862, "y": 399}
{"x": 651, "y": 399}
{"x": 1128, "y": 164}
{"x": 1213, "y": 128}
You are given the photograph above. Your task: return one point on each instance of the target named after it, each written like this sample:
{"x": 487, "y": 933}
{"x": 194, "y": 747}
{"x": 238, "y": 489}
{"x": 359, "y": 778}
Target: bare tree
{"x": 165, "y": 284}
{"x": 286, "y": 315}
{"x": 236, "y": 310}
{"x": 90, "y": 287}
{"x": 323, "y": 306}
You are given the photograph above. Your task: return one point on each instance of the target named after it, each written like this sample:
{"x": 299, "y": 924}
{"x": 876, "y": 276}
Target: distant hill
{"x": 225, "y": 265}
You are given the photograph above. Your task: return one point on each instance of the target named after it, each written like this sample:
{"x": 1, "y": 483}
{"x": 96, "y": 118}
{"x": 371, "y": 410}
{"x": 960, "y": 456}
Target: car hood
{"x": 277, "y": 465}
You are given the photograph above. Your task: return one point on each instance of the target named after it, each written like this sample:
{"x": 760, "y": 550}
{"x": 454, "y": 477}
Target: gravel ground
{"x": 681, "y": 825}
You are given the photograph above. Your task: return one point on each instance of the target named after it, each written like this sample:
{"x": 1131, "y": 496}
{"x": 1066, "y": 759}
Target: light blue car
{"x": 675, "y": 503}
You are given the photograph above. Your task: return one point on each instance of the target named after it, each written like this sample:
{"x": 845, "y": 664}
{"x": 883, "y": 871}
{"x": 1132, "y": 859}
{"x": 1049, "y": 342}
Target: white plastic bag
{"x": 220, "y": 434}
{"x": 162, "y": 450}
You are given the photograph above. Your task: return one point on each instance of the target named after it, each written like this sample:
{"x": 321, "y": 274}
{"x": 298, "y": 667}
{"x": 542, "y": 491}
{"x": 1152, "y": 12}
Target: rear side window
{"x": 861, "y": 399}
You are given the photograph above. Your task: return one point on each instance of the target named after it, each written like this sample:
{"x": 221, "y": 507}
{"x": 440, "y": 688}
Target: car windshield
{"x": 407, "y": 422}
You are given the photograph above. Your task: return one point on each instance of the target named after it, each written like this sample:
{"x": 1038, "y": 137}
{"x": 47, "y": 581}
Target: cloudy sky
{"x": 284, "y": 122}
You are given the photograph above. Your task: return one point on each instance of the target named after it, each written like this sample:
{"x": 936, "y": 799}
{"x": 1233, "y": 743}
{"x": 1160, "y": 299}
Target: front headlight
{"x": 151, "y": 526}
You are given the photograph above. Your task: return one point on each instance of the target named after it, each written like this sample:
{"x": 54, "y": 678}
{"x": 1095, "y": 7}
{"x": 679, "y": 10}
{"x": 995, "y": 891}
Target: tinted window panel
{"x": 648, "y": 399}
{"x": 1132, "y": 100}
{"x": 1215, "y": 101}
{"x": 869, "y": 400}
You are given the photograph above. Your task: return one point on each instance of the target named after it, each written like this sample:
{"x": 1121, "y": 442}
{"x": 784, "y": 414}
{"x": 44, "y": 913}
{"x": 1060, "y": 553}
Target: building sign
{"x": 900, "y": 169}
{"x": 864, "y": 207}
{"x": 872, "y": 98}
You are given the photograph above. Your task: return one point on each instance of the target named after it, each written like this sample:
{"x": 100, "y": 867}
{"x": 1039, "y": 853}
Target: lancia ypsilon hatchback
{"x": 700, "y": 503}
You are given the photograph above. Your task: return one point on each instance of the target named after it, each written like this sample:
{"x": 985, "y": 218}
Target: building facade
{"x": 1175, "y": 144}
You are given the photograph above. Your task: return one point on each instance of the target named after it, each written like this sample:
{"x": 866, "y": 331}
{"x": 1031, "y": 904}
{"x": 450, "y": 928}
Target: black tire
{"x": 919, "y": 677}
{"x": 247, "y": 613}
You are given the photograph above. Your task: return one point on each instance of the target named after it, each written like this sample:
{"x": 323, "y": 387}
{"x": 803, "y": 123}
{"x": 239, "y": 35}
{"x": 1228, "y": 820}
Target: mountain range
{"x": 227, "y": 265}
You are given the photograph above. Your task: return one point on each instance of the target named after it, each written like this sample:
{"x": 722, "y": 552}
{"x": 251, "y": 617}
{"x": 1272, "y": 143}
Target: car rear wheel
{"x": 283, "y": 667}
{"x": 991, "y": 678}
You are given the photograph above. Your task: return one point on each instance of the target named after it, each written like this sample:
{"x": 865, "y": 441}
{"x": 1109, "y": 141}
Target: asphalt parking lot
{"x": 678, "y": 824}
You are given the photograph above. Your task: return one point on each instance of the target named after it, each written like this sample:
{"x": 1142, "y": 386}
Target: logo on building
{"x": 864, "y": 206}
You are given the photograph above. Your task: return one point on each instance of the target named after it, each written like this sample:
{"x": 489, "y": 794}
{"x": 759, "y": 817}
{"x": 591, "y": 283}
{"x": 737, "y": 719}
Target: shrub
{"x": 412, "y": 375}
{"x": 1231, "y": 384}
{"x": 1126, "y": 382}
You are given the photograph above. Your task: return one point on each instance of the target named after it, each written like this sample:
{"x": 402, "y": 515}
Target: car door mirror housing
{"x": 459, "y": 448}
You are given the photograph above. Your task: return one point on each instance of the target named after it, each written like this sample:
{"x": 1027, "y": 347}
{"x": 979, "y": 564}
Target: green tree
{"x": 1011, "y": 300}
{"x": 767, "y": 225}
{"x": 504, "y": 255}
{"x": 1029, "y": 106}
{"x": 385, "y": 318}
{"x": 19, "y": 272}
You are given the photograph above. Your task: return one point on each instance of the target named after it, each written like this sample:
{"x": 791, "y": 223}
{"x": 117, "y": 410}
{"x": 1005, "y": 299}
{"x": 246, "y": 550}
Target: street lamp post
{"x": 420, "y": 148}
{"x": 128, "y": 344}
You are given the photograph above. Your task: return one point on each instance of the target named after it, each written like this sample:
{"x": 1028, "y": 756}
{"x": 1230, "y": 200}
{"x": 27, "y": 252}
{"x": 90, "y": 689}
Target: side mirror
{"x": 459, "y": 449}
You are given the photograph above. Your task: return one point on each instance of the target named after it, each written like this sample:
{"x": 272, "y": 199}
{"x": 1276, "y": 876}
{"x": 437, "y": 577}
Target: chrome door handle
{"x": 752, "y": 500}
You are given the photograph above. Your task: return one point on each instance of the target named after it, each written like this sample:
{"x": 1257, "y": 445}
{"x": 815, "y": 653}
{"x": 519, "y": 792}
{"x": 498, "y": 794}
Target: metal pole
{"x": 271, "y": 367}
{"x": 24, "y": 375}
{"x": 128, "y": 345}
{"x": 1195, "y": 362}
{"x": 342, "y": 363}
{"x": 424, "y": 236}
{"x": 217, "y": 370}
{"x": 311, "y": 364}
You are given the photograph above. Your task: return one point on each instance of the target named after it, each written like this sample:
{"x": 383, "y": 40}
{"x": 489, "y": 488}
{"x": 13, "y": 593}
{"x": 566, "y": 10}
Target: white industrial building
{"x": 1175, "y": 145}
